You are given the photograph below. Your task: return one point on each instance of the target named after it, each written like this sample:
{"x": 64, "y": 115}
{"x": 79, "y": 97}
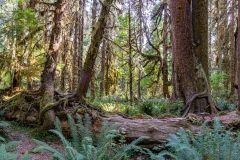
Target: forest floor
{"x": 26, "y": 143}
{"x": 156, "y": 129}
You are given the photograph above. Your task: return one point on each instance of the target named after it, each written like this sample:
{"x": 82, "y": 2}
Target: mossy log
{"x": 24, "y": 107}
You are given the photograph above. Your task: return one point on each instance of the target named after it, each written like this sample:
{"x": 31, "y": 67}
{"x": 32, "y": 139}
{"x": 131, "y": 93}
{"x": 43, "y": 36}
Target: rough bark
{"x": 94, "y": 19}
{"x": 48, "y": 75}
{"x": 238, "y": 58}
{"x": 97, "y": 36}
{"x": 81, "y": 36}
{"x": 188, "y": 72}
{"x": 75, "y": 65}
{"x": 200, "y": 41}
{"x": 200, "y": 32}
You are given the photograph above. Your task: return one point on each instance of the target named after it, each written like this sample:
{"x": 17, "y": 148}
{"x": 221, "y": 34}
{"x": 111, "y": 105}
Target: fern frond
{"x": 74, "y": 133}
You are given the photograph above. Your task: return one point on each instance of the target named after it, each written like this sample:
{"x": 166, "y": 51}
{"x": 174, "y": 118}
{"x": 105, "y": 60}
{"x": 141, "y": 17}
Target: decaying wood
{"x": 158, "y": 130}
{"x": 25, "y": 108}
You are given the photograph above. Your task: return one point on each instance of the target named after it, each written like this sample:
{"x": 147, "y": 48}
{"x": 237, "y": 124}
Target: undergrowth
{"x": 8, "y": 148}
{"x": 151, "y": 107}
{"x": 208, "y": 144}
{"x": 83, "y": 145}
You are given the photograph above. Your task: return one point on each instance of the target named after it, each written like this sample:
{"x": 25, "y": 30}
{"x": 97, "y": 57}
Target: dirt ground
{"x": 26, "y": 144}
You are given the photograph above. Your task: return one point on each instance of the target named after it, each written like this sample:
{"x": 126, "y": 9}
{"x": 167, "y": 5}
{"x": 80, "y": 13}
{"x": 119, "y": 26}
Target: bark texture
{"x": 238, "y": 58}
{"x": 97, "y": 36}
{"x": 189, "y": 74}
{"x": 200, "y": 32}
{"x": 48, "y": 75}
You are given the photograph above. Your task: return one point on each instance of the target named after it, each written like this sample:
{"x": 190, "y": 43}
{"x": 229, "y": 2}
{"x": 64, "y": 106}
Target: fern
{"x": 84, "y": 146}
{"x": 6, "y": 150}
{"x": 210, "y": 144}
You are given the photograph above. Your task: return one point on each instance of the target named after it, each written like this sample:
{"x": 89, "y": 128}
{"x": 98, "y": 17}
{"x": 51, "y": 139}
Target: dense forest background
{"x": 135, "y": 59}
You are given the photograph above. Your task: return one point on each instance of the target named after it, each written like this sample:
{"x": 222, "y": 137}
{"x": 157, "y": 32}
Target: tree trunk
{"x": 225, "y": 41}
{"x": 48, "y": 75}
{"x": 238, "y": 58}
{"x": 185, "y": 62}
{"x": 200, "y": 32}
{"x": 75, "y": 65}
{"x": 97, "y": 36}
{"x": 140, "y": 17}
{"x": 64, "y": 73}
{"x": 130, "y": 66}
{"x": 94, "y": 19}
{"x": 232, "y": 48}
{"x": 108, "y": 69}
{"x": 81, "y": 37}
{"x": 16, "y": 80}
{"x": 102, "y": 73}
{"x": 165, "y": 58}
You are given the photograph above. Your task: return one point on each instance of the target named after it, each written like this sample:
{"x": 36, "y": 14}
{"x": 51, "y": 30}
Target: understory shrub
{"x": 84, "y": 145}
{"x": 151, "y": 107}
{"x": 217, "y": 80}
{"x": 156, "y": 107}
{"x": 225, "y": 105}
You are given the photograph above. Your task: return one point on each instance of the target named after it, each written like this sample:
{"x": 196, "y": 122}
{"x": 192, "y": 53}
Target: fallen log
{"x": 157, "y": 130}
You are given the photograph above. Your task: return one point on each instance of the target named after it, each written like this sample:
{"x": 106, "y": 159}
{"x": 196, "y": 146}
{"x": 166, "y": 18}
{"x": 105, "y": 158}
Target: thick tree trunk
{"x": 200, "y": 40}
{"x": 200, "y": 32}
{"x": 94, "y": 19}
{"x": 238, "y": 58}
{"x": 97, "y": 36}
{"x": 48, "y": 75}
{"x": 185, "y": 62}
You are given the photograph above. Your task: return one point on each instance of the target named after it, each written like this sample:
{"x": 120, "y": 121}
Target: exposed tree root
{"x": 212, "y": 107}
{"x": 25, "y": 107}
{"x": 189, "y": 103}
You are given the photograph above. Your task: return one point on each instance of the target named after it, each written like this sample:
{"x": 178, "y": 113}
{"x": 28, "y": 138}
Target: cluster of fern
{"x": 7, "y": 149}
{"x": 83, "y": 145}
{"x": 208, "y": 144}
